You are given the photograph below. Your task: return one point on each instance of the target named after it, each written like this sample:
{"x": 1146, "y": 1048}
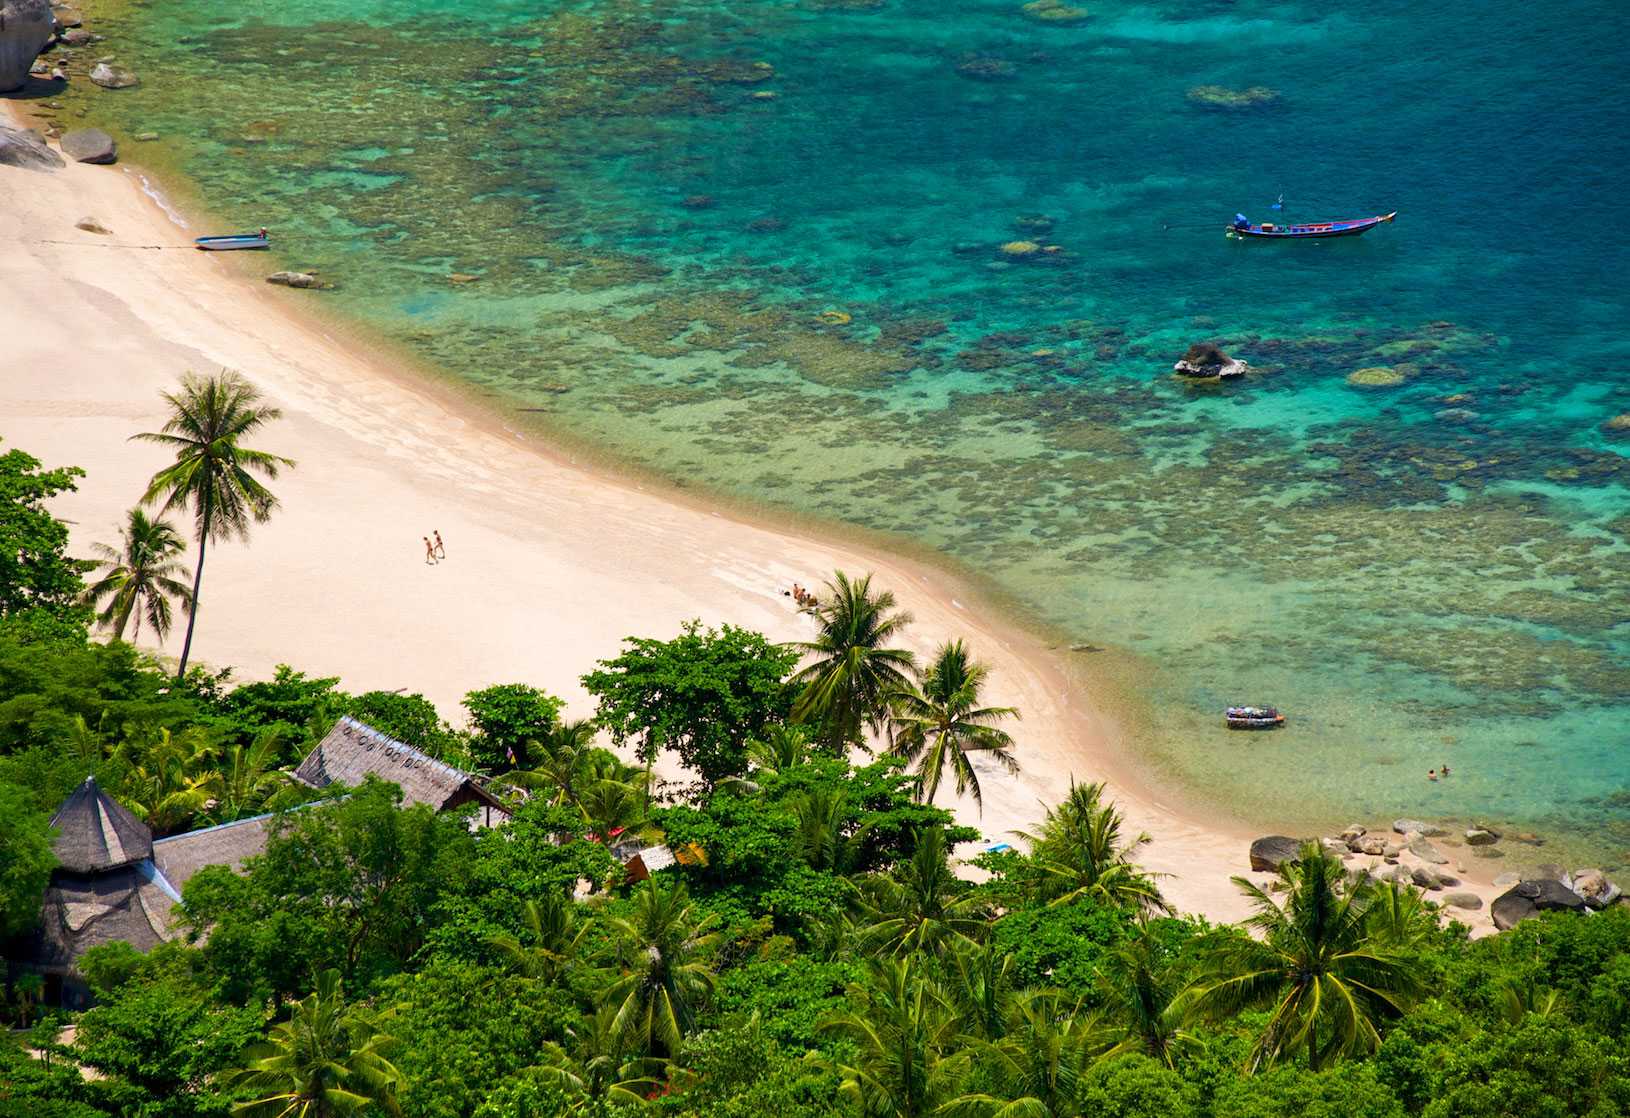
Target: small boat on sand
{"x": 1254, "y": 718}
{"x": 262, "y": 239}
{"x": 1305, "y": 230}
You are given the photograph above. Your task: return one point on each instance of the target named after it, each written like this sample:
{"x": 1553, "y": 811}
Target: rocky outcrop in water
{"x": 21, "y": 147}
{"x": 109, "y": 76}
{"x": 1207, "y": 361}
{"x": 89, "y": 145}
{"x": 295, "y": 279}
{"x": 25, "y": 27}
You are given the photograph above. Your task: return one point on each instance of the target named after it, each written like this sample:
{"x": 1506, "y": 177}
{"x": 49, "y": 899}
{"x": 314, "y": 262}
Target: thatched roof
{"x": 95, "y": 833}
{"x": 353, "y": 750}
{"x": 180, "y": 856}
{"x": 82, "y": 911}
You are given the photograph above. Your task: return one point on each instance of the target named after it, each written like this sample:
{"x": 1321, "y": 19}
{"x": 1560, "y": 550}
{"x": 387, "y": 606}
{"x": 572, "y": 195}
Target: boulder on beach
{"x": 1416, "y": 827}
{"x": 1595, "y": 888}
{"x": 1272, "y": 851}
{"x": 91, "y": 225}
{"x": 1511, "y": 908}
{"x": 1463, "y": 900}
{"x": 89, "y": 145}
{"x": 1481, "y": 836}
{"x": 67, "y": 17}
{"x": 1375, "y": 845}
{"x": 25, "y": 27}
{"x": 109, "y": 76}
{"x": 1206, "y": 360}
{"x": 294, "y": 279}
{"x": 1423, "y": 849}
{"x": 23, "y": 147}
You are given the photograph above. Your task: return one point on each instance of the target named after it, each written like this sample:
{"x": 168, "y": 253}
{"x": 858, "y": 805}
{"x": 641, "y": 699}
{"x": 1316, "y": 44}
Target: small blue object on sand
{"x": 997, "y": 847}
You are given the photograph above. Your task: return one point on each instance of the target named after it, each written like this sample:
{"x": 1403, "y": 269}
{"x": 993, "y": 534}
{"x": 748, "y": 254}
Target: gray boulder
{"x": 25, "y": 27}
{"x": 21, "y": 147}
{"x": 1595, "y": 888}
{"x": 294, "y": 279}
{"x": 1463, "y": 900}
{"x": 1546, "y": 894}
{"x": 1368, "y": 844}
{"x": 1426, "y": 852}
{"x": 1505, "y": 880}
{"x": 1481, "y": 836}
{"x": 109, "y": 76}
{"x": 1416, "y": 827}
{"x": 89, "y": 145}
{"x": 1424, "y": 878}
{"x": 1511, "y": 908}
{"x": 1207, "y": 361}
{"x": 1273, "y": 851}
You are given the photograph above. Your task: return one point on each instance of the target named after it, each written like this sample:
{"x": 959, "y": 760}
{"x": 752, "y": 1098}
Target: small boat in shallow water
{"x": 1254, "y": 718}
{"x": 1305, "y": 230}
{"x": 262, "y": 239}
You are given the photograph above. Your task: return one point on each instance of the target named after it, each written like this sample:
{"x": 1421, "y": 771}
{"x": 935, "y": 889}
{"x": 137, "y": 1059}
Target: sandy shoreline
{"x": 550, "y": 564}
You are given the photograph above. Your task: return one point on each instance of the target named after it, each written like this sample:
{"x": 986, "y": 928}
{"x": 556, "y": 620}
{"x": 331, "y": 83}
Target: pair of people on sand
{"x": 434, "y": 552}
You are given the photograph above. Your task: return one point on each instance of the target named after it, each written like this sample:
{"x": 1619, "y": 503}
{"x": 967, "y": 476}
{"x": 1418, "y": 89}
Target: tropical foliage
{"x": 139, "y": 578}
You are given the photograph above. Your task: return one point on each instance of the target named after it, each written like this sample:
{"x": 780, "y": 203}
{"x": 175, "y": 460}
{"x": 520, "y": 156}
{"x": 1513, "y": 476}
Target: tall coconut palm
{"x": 213, "y": 476}
{"x": 939, "y": 725}
{"x": 902, "y": 1032}
{"x": 921, "y": 906}
{"x": 663, "y": 946}
{"x": 1320, "y": 968}
{"x": 140, "y": 577}
{"x": 1034, "y": 1069}
{"x": 327, "y": 1059}
{"x": 553, "y": 935}
{"x": 853, "y": 671}
{"x": 595, "y": 1070}
{"x": 1079, "y": 852}
{"x": 1143, "y": 1009}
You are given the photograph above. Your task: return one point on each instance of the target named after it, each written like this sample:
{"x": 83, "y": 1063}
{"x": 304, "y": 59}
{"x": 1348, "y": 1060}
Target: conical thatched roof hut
{"x": 94, "y": 833}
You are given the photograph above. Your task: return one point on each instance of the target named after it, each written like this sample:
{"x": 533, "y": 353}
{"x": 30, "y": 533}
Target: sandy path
{"x": 549, "y": 564}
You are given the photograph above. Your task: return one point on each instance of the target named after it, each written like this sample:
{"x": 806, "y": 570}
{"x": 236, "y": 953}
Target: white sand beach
{"x": 549, "y": 563}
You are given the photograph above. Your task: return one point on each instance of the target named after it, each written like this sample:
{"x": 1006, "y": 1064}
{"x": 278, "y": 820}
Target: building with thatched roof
{"x": 353, "y": 751}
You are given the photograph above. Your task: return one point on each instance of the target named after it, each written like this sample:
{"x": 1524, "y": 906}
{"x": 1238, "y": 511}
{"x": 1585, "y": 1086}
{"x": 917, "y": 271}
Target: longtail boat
{"x": 262, "y": 239}
{"x": 1253, "y": 718}
{"x": 1306, "y": 230}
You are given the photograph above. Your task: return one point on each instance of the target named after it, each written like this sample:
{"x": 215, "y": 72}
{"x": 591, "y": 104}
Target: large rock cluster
{"x": 25, "y": 27}
{"x": 21, "y": 147}
{"x": 1550, "y": 888}
{"x": 1207, "y": 361}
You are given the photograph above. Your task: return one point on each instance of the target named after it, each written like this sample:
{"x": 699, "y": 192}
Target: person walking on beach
{"x": 441, "y": 551}
{"x": 429, "y": 552}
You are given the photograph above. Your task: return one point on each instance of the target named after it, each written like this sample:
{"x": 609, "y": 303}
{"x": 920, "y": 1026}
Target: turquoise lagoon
{"x": 756, "y": 248}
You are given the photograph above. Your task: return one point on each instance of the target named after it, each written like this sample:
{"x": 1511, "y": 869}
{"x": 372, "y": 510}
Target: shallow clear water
{"x": 802, "y": 299}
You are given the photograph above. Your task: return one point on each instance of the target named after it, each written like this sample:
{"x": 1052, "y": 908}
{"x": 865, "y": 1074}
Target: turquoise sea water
{"x": 756, "y": 247}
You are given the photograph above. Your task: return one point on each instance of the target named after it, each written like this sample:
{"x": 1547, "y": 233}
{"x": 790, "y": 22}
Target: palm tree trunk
{"x": 124, "y": 619}
{"x": 197, "y": 581}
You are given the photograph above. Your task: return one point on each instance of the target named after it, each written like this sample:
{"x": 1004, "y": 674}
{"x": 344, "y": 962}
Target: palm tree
{"x": 597, "y": 1070}
{"x": 848, "y": 683}
{"x": 982, "y": 988}
{"x": 251, "y": 780}
{"x": 922, "y": 906}
{"x": 611, "y": 806}
{"x": 562, "y": 756}
{"x": 1321, "y": 969}
{"x": 784, "y": 747}
{"x": 937, "y": 726}
{"x": 140, "y": 577}
{"x": 821, "y": 813}
{"x": 902, "y": 1029}
{"x": 213, "y": 476}
{"x": 1398, "y": 916}
{"x": 171, "y": 779}
{"x": 1144, "y": 1012}
{"x": 326, "y": 1059}
{"x": 1080, "y": 853}
{"x": 554, "y": 932}
{"x": 1034, "y": 1069}
{"x": 1518, "y": 997}
{"x": 664, "y": 978}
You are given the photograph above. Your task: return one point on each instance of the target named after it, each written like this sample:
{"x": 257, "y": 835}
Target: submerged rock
{"x": 1054, "y": 11}
{"x": 1481, "y": 836}
{"x": 23, "y": 147}
{"x": 1416, "y": 827}
{"x": 1221, "y": 97}
{"x": 25, "y": 27}
{"x": 1206, "y": 360}
{"x": 987, "y": 69}
{"x": 295, "y": 279}
{"x": 1619, "y": 425}
{"x": 89, "y": 145}
{"x": 1020, "y": 249}
{"x": 1376, "y": 376}
{"x": 109, "y": 76}
{"x": 1272, "y": 851}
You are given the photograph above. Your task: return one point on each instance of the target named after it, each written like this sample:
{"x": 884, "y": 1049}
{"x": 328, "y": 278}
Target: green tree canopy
{"x": 507, "y": 719}
{"x": 706, "y": 694}
{"x": 35, "y": 571}
{"x": 26, "y": 861}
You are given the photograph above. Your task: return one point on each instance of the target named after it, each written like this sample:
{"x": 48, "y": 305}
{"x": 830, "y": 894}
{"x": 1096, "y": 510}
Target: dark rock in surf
{"x": 26, "y": 26}
{"x": 89, "y": 145}
{"x": 1207, "y": 361}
